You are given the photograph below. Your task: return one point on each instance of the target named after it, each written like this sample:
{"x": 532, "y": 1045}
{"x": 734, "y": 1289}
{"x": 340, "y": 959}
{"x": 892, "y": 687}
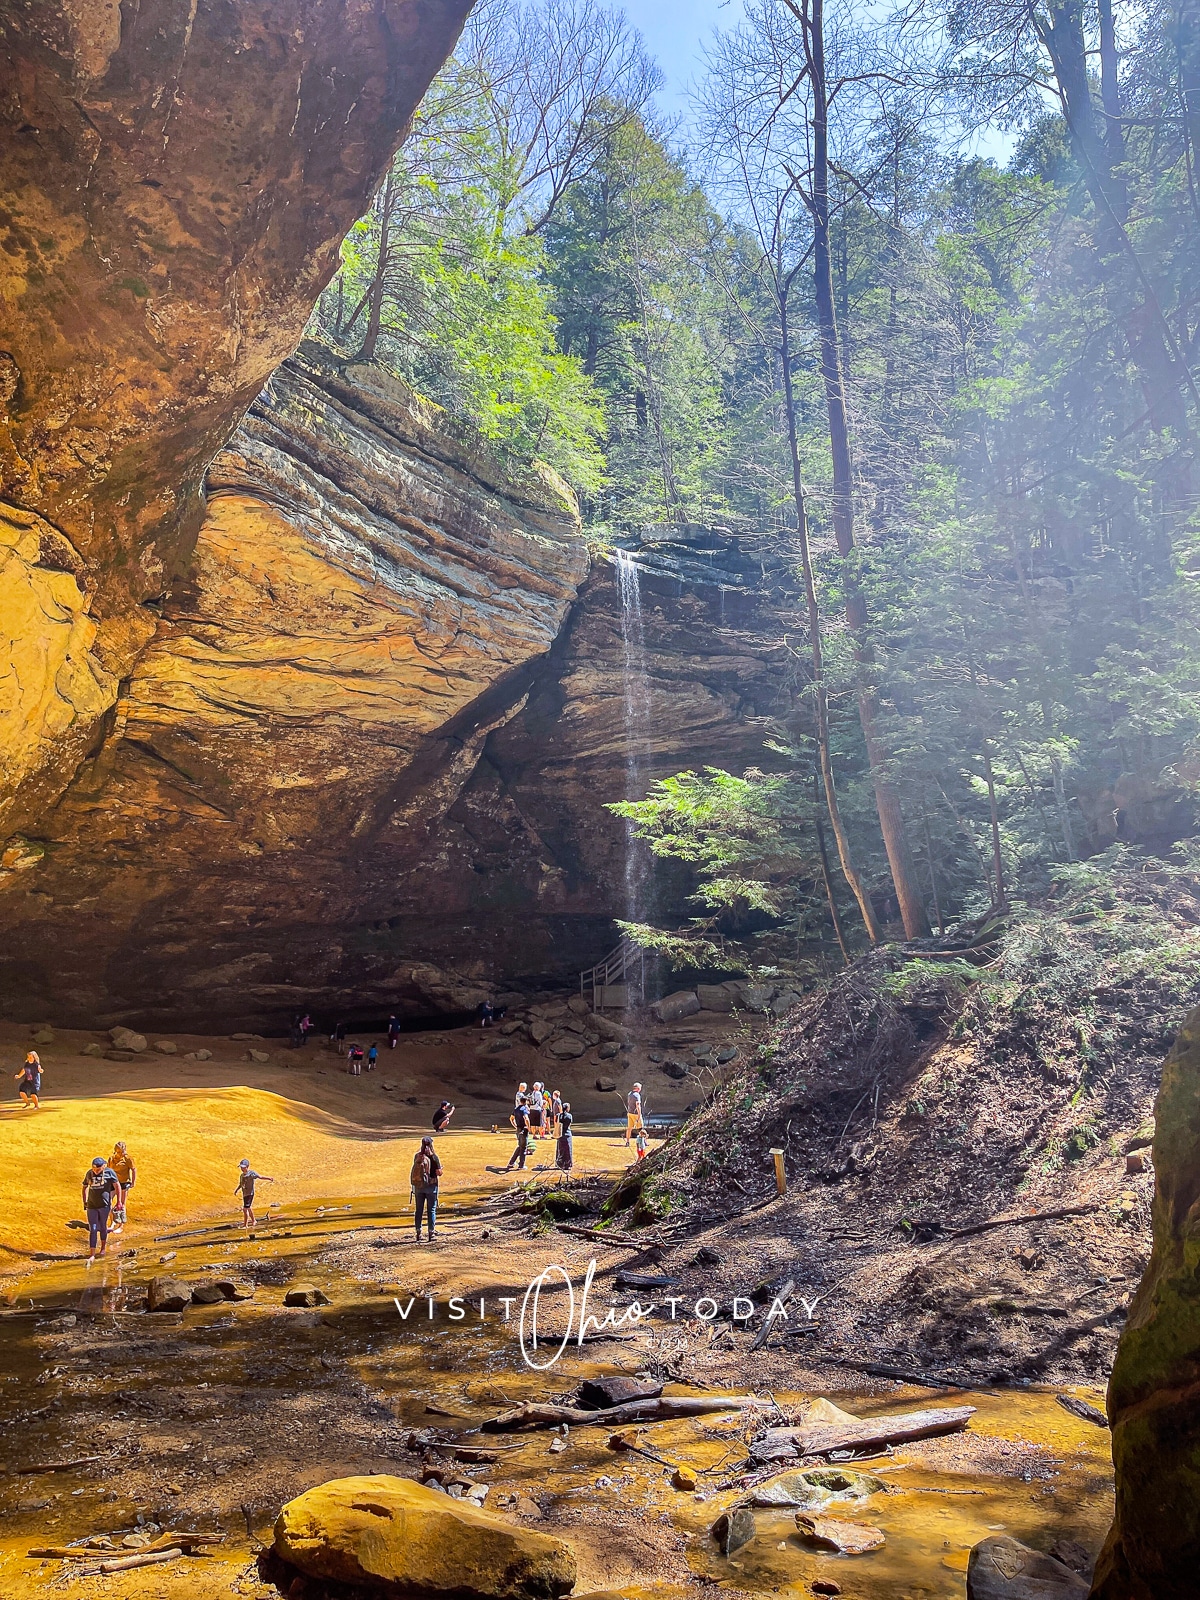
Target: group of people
{"x": 539, "y": 1114}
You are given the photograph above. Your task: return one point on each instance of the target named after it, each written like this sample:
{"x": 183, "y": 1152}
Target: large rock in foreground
{"x": 1153, "y": 1549}
{"x": 1005, "y": 1569}
{"x": 400, "y": 1538}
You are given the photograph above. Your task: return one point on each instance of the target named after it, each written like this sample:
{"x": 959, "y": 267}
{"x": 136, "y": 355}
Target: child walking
{"x": 245, "y": 1187}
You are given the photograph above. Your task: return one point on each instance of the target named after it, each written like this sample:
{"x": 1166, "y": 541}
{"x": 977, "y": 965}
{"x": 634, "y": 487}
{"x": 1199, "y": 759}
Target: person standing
{"x": 245, "y": 1187}
{"x": 393, "y": 1031}
{"x": 354, "y": 1061}
{"x": 122, "y": 1164}
{"x": 372, "y": 1057}
{"x": 556, "y": 1111}
{"x": 339, "y": 1037}
{"x": 520, "y": 1119}
{"x": 101, "y": 1190}
{"x": 633, "y": 1111}
{"x": 564, "y": 1155}
{"x": 30, "y": 1078}
{"x": 537, "y": 1110}
{"x": 306, "y": 1027}
{"x": 426, "y": 1171}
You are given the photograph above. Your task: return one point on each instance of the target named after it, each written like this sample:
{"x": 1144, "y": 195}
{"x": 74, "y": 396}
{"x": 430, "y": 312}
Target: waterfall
{"x": 637, "y": 728}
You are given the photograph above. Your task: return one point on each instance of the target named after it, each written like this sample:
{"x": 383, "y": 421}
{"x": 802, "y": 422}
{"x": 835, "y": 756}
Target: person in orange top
{"x": 121, "y": 1163}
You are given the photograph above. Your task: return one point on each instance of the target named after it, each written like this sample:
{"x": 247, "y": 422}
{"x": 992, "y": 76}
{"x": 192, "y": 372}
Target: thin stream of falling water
{"x": 637, "y": 726}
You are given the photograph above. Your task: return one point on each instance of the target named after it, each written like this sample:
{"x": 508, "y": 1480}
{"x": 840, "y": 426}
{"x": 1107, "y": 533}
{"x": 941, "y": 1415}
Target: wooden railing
{"x": 624, "y": 965}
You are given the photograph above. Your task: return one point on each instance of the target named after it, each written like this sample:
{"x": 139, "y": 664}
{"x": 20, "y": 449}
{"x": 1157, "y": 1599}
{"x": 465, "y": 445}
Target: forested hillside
{"x": 955, "y": 396}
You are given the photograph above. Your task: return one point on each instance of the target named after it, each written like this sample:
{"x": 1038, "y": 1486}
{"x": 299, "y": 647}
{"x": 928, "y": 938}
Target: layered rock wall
{"x": 175, "y": 179}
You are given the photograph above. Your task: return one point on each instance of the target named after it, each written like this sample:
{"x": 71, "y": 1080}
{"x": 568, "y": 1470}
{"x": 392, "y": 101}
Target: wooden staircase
{"x": 616, "y": 980}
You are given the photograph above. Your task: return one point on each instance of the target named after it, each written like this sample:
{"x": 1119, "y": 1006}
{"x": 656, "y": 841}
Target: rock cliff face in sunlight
{"x": 175, "y": 178}
{"x": 363, "y": 758}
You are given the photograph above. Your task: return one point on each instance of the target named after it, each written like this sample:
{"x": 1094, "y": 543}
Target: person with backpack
{"x": 564, "y": 1155}
{"x": 633, "y": 1111}
{"x": 354, "y": 1061}
{"x": 426, "y": 1170}
{"x": 520, "y": 1121}
{"x": 101, "y": 1190}
{"x": 247, "y": 1178}
{"x": 121, "y": 1163}
{"x": 30, "y": 1078}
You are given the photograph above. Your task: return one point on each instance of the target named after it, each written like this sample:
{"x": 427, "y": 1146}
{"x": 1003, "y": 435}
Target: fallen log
{"x": 602, "y": 1238}
{"x": 128, "y": 1563}
{"x": 820, "y": 1438}
{"x": 662, "y": 1409}
{"x": 1013, "y": 1222}
{"x": 55, "y": 1466}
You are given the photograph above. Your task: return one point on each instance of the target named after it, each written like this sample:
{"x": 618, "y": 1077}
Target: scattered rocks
{"x": 1001, "y": 1568}
{"x": 198, "y": 1055}
{"x": 165, "y": 1047}
{"x": 728, "y": 1054}
{"x": 398, "y": 1537}
{"x": 674, "y": 1007}
{"x": 127, "y": 1039}
{"x": 675, "y": 1069}
{"x": 92, "y": 1050}
{"x": 206, "y": 1294}
{"x": 257, "y": 1055}
{"x": 234, "y": 1288}
{"x": 831, "y": 1533}
{"x": 598, "y": 1394}
{"x": 168, "y": 1294}
{"x": 733, "y": 1529}
{"x": 305, "y": 1294}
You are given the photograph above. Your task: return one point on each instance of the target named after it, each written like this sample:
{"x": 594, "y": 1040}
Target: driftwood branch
{"x": 664, "y": 1408}
{"x": 784, "y": 1295}
{"x": 1013, "y": 1222}
{"x": 56, "y": 1466}
{"x": 142, "y": 1559}
{"x": 820, "y": 1438}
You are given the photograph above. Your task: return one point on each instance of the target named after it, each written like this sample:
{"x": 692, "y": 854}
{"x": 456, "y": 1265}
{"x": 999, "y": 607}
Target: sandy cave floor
{"x": 214, "y": 1418}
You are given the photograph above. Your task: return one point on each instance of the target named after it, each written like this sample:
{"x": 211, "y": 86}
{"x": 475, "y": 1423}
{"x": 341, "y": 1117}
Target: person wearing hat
{"x": 121, "y": 1163}
{"x": 247, "y": 1178}
{"x": 633, "y": 1111}
{"x": 30, "y": 1078}
{"x": 101, "y": 1190}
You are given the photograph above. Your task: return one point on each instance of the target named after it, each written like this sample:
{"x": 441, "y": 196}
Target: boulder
{"x": 165, "y": 1047}
{"x": 397, "y": 1537}
{"x": 168, "y": 1294}
{"x": 607, "y": 1051}
{"x": 733, "y": 1529}
{"x": 578, "y": 1005}
{"x": 207, "y": 1294}
{"x": 198, "y": 1055}
{"x": 609, "y": 1030}
{"x": 1153, "y": 1548}
{"x": 120, "y": 1055}
{"x": 597, "y": 1394}
{"x": 92, "y": 1050}
{"x": 728, "y": 1054}
{"x": 260, "y": 1056}
{"x": 675, "y": 1069}
{"x": 785, "y": 1002}
{"x": 714, "y": 997}
{"x": 831, "y": 1533}
{"x": 683, "y": 1479}
{"x": 305, "y": 1294}
{"x": 566, "y": 1048}
{"x": 540, "y": 1030}
{"x": 1001, "y": 1568}
{"x": 44, "y": 1036}
{"x": 757, "y": 997}
{"x": 815, "y": 1488}
{"x": 234, "y": 1288}
{"x": 127, "y": 1039}
{"x": 605, "y": 1085}
{"x": 674, "y": 1007}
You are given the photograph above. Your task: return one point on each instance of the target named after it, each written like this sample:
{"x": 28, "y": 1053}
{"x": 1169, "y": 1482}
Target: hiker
{"x": 30, "y": 1078}
{"x": 426, "y": 1170}
{"x": 338, "y": 1037}
{"x": 564, "y": 1154}
{"x": 633, "y": 1111}
{"x": 485, "y": 1013}
{"x": 520, "y": 1121}
{"x": 520, "y": 1100}
{"x": 354, "y": 1061}
{"x": 305, "y": 1027}
{"x": 556, "y": 1111}
{"x": 101, "y": 1190}
{"x": 537, "y": 1104}
{"x": 393, "y": 1031}
{"x": 245, "y": 1186}
{"x": 441, "y": 1117}
{"x": 122, "y": 1164}
{"x": 372, "y": 1057}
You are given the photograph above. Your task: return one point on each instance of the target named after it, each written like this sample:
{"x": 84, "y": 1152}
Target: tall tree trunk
{"x": 827, "y": 876}
{"x": 887, "y": 800}
{"x": 375, "y": 294}
{"x": 933, "y": 888}
{"x": 824, "y": 755}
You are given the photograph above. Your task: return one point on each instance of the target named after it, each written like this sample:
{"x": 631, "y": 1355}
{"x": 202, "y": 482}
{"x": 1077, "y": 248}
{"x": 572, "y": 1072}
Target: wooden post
{"x": 780, "y": 1174}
